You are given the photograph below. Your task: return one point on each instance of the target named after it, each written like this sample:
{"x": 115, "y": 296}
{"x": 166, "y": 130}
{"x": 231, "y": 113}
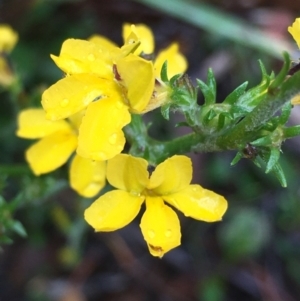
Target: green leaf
{"x": 208, "y": 89}
{"x": 237, "y": 158}
{"x": 209, "y": 116}
{"x": 164, "y": 72}
{"x": 263, "y": 141}
{"x": 285, "y": 113}
{"x": 221, "y": 120}
{"x": 273, "y": 159}
{"x": 291, "y": 131}
{"x": 18, "y": 228}
{"x": 280, "y": 174}
{"x": 174, "y": 79}
{"x": 5, "y": 240}
{"x": 236, "y": 94}
{"x": 165, "y": 111}
{"x": 282, "y": 74}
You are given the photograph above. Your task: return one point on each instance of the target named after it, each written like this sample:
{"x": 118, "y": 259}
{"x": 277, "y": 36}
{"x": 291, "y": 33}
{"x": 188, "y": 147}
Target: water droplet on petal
{"x": 151, "y": 233}
{"x": 91, "y": 57}
{"x": 135, "y": 193}
{"x": 64, "y": 102}
{"x": 168, "y": 233}
{"x": 112, "y": 139}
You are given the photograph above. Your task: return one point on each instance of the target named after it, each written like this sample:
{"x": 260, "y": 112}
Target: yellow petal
{"x": 160, "y": 227}
{"x": 7, "y": 76}
{"x": 76, "y": 119}
{"x": 51, "y": 152}
{"x": 137, "y": 79}
{"x": 128, "y": 173}
{"x": 296, "y": 100}
{"x": 113, "y": 210}
{"x": 100, "y": 134}
{"x": 73, "y": 93}
{"x": 294, "y": 30}
{"x": 103, "y": 42}
{"x": 32, "y": 124}
{"x": 199, "y": 203}
{"x": 81, "y": 56}
{"x": 171, "y": 176}
{"x": 131, "y": 44}
{"x": 8, "y": 38}
{"x": 87, "y": 177}
{"x": 177, "y": 62}
{"x": 144, "y": 34}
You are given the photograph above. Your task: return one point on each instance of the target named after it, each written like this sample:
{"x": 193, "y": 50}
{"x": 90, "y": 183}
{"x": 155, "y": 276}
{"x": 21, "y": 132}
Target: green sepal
{"x": 236, "y": 94}
{"x": 282, "y": 74}
{"x": 291, "y": 131}
{"x": 165, "y": 111}
{"x": 208, "y": 89}
{"x": 273, "y": 159}
{"x": 164, "y": 72}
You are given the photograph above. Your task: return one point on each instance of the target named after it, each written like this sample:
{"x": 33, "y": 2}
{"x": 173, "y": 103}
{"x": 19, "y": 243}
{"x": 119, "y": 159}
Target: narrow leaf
{"x": 283, "y": 72}
{"x": 165, "y": 111}
{"x": 235, "y": 94}
{"x": 164, "y": 72}
{"x": 273, "y": 159}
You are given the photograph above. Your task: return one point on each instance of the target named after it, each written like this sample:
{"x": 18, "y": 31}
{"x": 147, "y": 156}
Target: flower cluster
{"x": 110, "y": 82}
{"x": 85, "y": 112}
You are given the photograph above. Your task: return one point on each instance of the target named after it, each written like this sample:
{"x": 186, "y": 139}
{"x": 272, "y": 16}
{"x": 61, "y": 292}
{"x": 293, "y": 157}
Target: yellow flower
{"x": 177, "y": 63}
{"x": 294, "y": 30}
{"x": 170, "y": 183}
{"x": 8, "y": 39}
{"x": 57, "y": 142}
{"x": 93, "y": 69}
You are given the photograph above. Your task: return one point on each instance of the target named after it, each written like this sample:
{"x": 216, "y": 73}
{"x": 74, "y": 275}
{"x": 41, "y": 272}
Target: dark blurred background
{"x": 252, "y": 255}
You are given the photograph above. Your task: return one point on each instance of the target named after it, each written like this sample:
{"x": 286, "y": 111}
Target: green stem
{"x": 233, "y": 139}
{"x": 246, "y": 130}
{"x": 16, "y": 169}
